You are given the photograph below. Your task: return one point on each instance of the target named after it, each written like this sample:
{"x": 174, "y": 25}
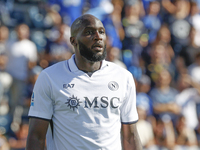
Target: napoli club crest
{"x": 113, "y": 86}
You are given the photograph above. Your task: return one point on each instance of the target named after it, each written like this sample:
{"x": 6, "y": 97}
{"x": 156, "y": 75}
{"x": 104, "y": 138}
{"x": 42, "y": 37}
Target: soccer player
{"x": 84, "y": 103}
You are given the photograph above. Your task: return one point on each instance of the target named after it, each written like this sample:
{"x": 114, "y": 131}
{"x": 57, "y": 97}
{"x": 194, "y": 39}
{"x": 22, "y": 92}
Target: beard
{"x": 88, "y": 54}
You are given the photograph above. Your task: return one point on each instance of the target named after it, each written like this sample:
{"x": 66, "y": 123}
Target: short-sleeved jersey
{"x": 86, "y": 112}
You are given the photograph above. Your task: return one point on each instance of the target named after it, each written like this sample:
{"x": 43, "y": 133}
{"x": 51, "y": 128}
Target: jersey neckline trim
{"x": 73, "y": 68}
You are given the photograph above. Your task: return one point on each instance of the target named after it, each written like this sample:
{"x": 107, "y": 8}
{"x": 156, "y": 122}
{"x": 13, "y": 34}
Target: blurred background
{"x": 158, "y": 41}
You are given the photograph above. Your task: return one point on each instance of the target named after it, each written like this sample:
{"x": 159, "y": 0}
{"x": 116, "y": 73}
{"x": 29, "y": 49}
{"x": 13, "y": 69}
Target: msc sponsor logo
{"x": 96, "y": 102}
{"x": 73, "y": 102}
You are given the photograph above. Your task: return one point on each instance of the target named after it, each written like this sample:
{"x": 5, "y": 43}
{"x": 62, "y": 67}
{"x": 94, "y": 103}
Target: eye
{"x": 101, "y": 31}
{"x": 89, "y": 32}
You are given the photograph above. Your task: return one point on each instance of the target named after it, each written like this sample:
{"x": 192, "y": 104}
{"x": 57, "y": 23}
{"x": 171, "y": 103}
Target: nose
{"x": 98, "y": 36}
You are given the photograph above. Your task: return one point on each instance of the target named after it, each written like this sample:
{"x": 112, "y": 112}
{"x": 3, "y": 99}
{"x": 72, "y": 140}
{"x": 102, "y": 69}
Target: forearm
{"x": 130, "y": 138}
{"x": 132, "y": 144}
{"x": 33, "y": 143}
{"x": 169, "y": 107}
{"x": 37, "y": 134}
{"x": 170, "y": 136}
{"x": 167, "y": 4}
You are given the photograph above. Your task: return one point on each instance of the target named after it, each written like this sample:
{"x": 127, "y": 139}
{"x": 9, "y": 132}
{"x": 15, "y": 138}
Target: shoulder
{"x": 29, "y": 44}
{"x": 55, "y": 68}
{"x": 27, "y": 41}
{"x": 115, "y": 68}
{"x": 154, "y": 92}
{"x": 119, "y": 72}
{"x": 52, "y": 74}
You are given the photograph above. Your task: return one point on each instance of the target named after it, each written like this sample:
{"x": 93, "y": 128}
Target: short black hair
{"x": 79, "y": 22}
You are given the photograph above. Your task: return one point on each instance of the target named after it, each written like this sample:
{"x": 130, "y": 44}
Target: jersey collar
{"x": 73, "y": 68}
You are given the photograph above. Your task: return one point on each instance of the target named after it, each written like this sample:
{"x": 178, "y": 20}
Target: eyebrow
{"x": 88, "y": 27}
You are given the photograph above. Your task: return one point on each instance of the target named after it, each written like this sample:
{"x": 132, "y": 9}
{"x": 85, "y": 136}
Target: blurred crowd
{"x": 158, "y": 41}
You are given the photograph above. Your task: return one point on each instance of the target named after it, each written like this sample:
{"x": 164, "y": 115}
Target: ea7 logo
{"x": 65, "y": 86}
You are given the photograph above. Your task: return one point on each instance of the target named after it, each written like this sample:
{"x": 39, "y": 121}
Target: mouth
{"x": 98, "y": 47}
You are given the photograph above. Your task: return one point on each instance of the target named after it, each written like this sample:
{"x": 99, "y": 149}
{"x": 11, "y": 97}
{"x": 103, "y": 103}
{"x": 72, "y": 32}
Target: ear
{"x": 73, "y": 41}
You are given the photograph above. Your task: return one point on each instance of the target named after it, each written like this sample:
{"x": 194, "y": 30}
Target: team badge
{"x": 73, "y": 102}
{"x": 113, "y": 86}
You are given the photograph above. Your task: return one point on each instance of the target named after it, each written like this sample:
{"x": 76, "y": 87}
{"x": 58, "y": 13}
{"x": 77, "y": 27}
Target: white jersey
{"x": 86, "y": 112}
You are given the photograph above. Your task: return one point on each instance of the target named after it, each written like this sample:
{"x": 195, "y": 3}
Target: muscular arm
{"x": 130, "y": 137}
{"x": 37, "y": 134}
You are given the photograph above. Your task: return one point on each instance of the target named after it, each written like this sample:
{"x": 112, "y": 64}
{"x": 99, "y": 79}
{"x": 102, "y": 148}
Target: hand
{"x": 174, "y": 108}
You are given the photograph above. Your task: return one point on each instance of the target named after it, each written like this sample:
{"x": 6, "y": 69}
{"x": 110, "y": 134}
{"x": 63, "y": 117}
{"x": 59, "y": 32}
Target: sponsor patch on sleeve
{"x": 32, "y": 99}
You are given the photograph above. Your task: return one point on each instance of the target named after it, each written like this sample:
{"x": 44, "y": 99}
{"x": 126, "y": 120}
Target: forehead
{"x": 84, "y": 22}
{"x": 90, "y": 22}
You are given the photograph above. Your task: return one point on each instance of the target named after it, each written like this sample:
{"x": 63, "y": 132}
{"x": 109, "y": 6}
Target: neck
{"x": 21, "y": 39}
{"x": 86, "y": 65}
{"x": 163, "y": 87}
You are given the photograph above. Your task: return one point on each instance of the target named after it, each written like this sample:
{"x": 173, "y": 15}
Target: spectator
{"x": 145, "y": 129}
{"x": 5, "y": 84}
{"x": 59, "y": 48}
{"x": 132, "y": 23}
{"x": 22, "y": 56}
{"x": 159, "y": 58}
{"x": 187, "y": 99}
{"x": 169, "y": 6}
{"x": 179, "y": 23}
{"x": 188, "y": 53}
{"x": 163, "y": 97}
{"x": 143, "y": 87}
{"x": 102, "y": 9}
{"x": 113, "y": 55}
{"x": 34, "y": 73}
{"x": 164, "y": 134}
{"x": 195, "y": 16}
{"x": 159, "y": 55}
{"x": 5, "y": 118}
{"x": 116, "y": 16}
{"x": 68, "y": 10}
{"x": 4, "y": 145}
{"x": 134, "y": 29}
{"x": 5, "y": 77}
{"x": 197, "y": 131}
{"x": 145, "y": 112}
{"x": 54, "y": 17}
{"x": 152, "y": 20}
{"x": 194, "y": 68}
{"x": 19, "y": 141}
{"x": 4, "y": 35}
{"x": 164, "y": 37}
{"x": 185, "y": 137}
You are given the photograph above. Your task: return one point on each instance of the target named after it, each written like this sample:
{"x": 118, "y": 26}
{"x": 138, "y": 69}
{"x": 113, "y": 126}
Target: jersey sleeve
{"x": 128, "y": 108}
{"x": 41, "y": 99}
